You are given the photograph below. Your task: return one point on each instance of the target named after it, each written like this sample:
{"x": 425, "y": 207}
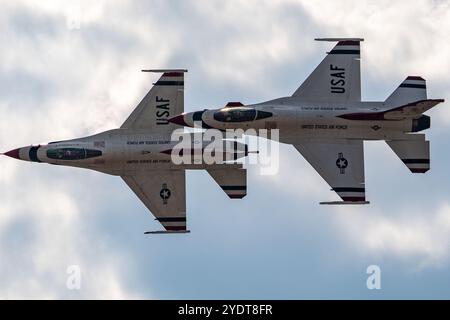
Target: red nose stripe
{"x": 13, "y": 153}
{"x": 178, "y": 120}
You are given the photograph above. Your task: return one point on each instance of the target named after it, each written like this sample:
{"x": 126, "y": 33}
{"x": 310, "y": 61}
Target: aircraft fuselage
{"x": 123, "y": 151}
{"x": 305, "y": 121}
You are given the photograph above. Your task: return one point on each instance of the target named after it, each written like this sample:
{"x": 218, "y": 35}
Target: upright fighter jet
{"x": 141, "y": 151}
{"x": 327, "y": 122}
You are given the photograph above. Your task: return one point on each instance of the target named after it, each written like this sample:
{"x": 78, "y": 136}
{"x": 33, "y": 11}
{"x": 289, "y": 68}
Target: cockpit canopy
{"x": 72, "y": 153}
{"x": 239, "y": 114}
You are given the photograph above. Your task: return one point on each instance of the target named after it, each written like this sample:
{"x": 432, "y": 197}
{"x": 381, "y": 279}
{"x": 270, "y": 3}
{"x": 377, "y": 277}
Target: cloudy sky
{"x": 70, "y": 69}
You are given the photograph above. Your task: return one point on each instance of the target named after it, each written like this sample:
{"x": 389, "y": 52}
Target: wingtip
{"x": 339, "y": 39}
{"x": 343, "y": 202}
{"x": 164, "y": 70}
{"x": 168, "y": 232}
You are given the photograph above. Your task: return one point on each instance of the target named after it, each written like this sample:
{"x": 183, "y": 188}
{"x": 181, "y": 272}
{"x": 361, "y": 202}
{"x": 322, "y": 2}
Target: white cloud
{"x": 295, "y": 177}
{"x": 90, "y": 81}
{"x": 89, "y": 89}
{"x": 41, "y": 225}
{"x": 414, "y": 233}
{"x": 401, "y": 40}
{"x": 399, "y": 37}
{"x": 256, "y": 37}
{"x": 418, "y": 236}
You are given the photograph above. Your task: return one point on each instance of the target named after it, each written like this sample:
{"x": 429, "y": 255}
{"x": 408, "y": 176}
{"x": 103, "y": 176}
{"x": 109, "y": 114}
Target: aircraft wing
{"x": 164, "y": 100}
{"x": 337, "y": 78}
{"x": 340, "y": 163}
{"x": 164, "y": 194}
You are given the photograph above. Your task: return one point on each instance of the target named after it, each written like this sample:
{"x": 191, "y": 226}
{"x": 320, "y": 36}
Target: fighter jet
{"x": 326, "y": 121}
{"x": 141, "y": 152}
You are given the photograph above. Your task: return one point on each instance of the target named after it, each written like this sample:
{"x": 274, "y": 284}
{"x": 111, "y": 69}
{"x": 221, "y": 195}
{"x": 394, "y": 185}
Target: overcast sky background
{"x": 71, "y": 68}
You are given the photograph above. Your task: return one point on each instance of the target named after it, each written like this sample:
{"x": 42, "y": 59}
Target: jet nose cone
{"x": 13, "y": 153}
{"x": 178, "y": 120}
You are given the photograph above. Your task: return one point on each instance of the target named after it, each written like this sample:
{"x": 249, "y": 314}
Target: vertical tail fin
{"x": 410, "y": 90}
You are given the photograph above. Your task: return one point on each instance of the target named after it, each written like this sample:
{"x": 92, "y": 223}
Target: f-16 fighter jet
{"x": 141, "y": 152}
{"x": 327, "y": 122}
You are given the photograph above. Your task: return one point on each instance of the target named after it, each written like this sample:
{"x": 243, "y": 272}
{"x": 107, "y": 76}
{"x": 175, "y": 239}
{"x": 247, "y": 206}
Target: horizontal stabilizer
{"x": 412, "y": 89}
{"x": 233, "y": 181}
{"x": 415, "y": 154}
{"x": 413, "y": 110}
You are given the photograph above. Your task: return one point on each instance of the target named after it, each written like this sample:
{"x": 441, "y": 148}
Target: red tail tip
{"x": 415, "y": 78}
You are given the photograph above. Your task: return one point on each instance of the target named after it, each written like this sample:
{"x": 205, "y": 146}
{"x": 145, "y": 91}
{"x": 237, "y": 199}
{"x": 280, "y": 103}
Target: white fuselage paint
{"x": 315, "y": 120}
{"x": 126, "y": 151}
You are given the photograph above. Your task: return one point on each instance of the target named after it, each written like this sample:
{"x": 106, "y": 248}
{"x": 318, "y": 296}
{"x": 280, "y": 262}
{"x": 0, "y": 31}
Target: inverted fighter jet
{"x": 141, "y": 152}
{"x": 327, "y": 122}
